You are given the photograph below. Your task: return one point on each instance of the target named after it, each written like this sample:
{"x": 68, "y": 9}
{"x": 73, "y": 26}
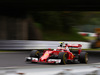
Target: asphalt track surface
{"x": 13, "y": 59}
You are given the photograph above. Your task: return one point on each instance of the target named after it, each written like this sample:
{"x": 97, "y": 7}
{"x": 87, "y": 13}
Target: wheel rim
{"x": 86, "y": 58}
{"x": 37, "y": 53}
{"x": 64, "y": 59}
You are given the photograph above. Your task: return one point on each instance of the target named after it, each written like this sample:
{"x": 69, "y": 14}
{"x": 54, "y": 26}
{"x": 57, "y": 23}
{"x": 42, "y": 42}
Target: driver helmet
{"x": 61, "y": 45}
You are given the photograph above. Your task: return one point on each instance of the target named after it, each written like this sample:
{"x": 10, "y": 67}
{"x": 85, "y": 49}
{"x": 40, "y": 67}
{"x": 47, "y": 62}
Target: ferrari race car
{"x": 61, "y": 55}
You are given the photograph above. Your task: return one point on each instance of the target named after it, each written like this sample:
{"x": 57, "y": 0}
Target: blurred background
{"x": 48, "y": 25}
{"x": 26, "y": 20}
{"x": 46, "y": 20}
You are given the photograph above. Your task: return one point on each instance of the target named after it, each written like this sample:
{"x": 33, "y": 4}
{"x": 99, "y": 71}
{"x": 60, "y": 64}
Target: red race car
{"x": 61, "y": 55}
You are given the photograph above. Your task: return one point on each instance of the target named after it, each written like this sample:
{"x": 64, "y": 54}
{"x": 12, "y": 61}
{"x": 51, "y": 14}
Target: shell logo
{"x": 72, "y": 56}
{"x": 46, "y": 54}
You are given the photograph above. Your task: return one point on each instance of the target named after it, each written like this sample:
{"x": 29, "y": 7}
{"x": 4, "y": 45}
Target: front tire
{"x": 93, "y": 45}
{"x": 63, "y": 57}
{"x": 35, "y": 53}
{"x": 83, "y": 58}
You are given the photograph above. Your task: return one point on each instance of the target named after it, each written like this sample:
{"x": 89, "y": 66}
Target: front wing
{"x": 33, "y": 59}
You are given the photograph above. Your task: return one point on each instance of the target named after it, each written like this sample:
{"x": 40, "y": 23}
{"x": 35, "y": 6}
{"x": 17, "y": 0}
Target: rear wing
{"x": 72, "y": 45}
{"x": 75, "y": 45}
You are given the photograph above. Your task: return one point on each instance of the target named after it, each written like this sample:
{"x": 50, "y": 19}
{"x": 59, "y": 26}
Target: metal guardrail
{"x": 33, "y": 44}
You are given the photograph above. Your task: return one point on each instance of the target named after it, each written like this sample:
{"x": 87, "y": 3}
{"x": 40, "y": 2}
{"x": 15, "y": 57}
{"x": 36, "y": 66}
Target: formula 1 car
{"x": 61, "y": 55}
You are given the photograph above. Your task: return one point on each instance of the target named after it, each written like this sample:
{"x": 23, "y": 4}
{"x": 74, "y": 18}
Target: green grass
{"x": 47, "y": 49}
{"x": 89, "y": 38}
{"x": 92, "y": 49}
{"x": 87, "y": 49}
{"x": 77, "y": 49}
{"x": 60, "y": 36}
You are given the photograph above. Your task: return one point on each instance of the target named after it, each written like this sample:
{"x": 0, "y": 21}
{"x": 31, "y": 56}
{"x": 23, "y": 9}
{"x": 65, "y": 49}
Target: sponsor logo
{"x": 56, "y": 60}
{"x": 28, "y": 57}
{"x": 35, "y": 59}
{"x": 46, "y": 54}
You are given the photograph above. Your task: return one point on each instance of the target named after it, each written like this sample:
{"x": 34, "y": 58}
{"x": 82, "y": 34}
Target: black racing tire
{"x": 93, "y": 45}
{"x": 35, "y": 53}
{"x": 63, "y": 57}
{"x": 83, "y": 57}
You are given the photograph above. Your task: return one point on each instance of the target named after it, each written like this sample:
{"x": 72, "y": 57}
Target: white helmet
{"x": 54, "y": 49}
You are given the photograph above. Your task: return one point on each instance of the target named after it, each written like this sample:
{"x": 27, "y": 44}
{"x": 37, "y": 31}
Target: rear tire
{"x": 83, "y": 58}
{"x": 93, "y": 45}
{"x": 63, "y": 57}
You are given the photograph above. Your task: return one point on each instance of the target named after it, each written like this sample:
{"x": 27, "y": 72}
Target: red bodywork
{"x": 49, "y": 52}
